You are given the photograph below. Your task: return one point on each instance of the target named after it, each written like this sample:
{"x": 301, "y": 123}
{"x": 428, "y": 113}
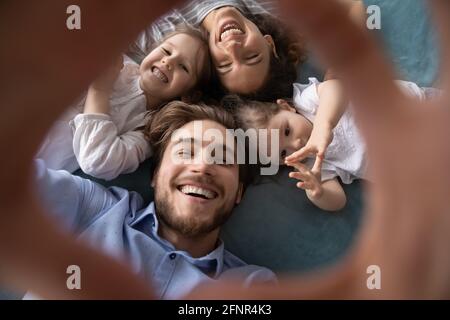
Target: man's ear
{"x": 285, "y": 105}
{"x": 152, "y": 184}
{"x": 271, "y": 43}
{"x": 239, "y": 193}
{"x": 153, "y": 181}
{"x": 193, "y": 97}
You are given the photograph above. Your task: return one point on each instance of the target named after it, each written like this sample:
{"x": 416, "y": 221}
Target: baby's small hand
{"x": 320, "y": 139}
{"x": 309, "y": 181}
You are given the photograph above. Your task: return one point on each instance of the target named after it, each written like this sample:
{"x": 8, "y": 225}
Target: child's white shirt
{"x": 346, "y": 155}
{"x": 102, "y": 145}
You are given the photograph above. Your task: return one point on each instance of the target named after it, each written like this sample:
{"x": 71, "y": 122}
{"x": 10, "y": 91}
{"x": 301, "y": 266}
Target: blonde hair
{"x": 206, "y": 72}
{"x": 174, "y": 115}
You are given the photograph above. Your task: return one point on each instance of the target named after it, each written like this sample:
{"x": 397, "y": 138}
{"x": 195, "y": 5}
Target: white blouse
{"x": 346, "y": 156}
{"x": 103, "y": 146}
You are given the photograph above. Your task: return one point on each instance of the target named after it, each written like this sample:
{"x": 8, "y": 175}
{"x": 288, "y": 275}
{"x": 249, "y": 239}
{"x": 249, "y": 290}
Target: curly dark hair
{"x": 291, "y": 52}
{"x": 283, "y": 69}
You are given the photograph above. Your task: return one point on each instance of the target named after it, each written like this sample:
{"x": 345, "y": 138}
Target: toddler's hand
{"x": 105, "y": 81}
{"x": 310, "y": 181}
{"x": 320, "y": 139}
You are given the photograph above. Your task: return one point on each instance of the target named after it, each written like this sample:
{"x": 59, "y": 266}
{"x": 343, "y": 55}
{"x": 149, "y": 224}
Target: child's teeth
{"x": 160, "y": 75}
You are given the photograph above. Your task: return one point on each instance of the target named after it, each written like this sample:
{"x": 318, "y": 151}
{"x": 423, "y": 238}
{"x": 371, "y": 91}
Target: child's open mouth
{"x": 159, "y": 74}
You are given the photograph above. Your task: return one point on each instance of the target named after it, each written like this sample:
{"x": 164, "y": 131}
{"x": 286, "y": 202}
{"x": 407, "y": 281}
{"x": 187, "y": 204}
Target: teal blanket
{"x": 275, "y": 225}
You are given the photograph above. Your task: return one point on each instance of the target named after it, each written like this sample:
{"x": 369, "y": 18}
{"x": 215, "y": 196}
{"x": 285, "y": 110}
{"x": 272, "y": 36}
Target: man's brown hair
{"x": 174, "y": 115}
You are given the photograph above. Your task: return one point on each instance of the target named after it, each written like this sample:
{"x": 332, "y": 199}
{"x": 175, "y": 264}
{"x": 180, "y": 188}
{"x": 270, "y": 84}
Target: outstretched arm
{"x": 407, "y": 224}
{"x": 404, "y": 223}
{"x": 100, "y": 149}
{"x": 34, "y": 254}
{"x": 357, "y": 13}
{"x": 332, "y": 104}
{"x": 332, "y": 99}
{"x": 97, "y": 100}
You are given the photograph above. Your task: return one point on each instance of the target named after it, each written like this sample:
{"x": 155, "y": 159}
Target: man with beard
{"x": 173, "y": 242}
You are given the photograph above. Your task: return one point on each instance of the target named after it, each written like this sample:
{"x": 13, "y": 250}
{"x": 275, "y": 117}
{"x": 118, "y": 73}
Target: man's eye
{"x": 185, "y": 154}
{"x": 253, "y": 56}
{"x": 165, "y": 51}
{"x": 287, "y": 131}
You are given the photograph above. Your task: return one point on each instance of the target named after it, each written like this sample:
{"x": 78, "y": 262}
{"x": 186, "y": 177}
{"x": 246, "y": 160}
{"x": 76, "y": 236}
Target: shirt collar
{"x": 147, "y": 222}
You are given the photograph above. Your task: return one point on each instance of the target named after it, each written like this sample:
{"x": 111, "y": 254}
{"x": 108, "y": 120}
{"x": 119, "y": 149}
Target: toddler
{"x": 328, "y": 132}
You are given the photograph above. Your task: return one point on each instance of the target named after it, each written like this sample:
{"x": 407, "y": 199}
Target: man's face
{"x": 240, "y": 53}
{"x": 193, "y": 197}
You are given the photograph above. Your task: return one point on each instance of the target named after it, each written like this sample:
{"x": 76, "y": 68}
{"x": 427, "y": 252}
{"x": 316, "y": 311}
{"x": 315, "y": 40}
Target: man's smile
{"x": 197, "y": 191}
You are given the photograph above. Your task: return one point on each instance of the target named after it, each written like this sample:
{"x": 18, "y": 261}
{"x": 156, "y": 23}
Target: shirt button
{"x": 172, "y": 256}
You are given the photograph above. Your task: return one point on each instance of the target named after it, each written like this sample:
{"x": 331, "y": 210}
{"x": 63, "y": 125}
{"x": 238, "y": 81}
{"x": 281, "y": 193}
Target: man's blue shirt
{"x": 116, "y": 221}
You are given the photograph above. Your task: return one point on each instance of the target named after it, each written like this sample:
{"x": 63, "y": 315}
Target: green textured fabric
{"x": 409, "y": 39}
{"x": 277, "y": 226}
